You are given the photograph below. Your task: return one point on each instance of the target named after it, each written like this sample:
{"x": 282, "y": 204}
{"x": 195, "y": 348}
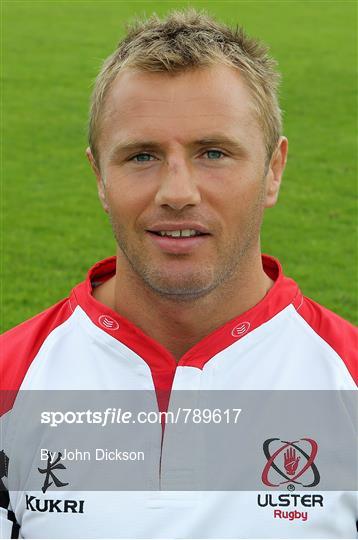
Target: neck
{"x": 178, "y": 325}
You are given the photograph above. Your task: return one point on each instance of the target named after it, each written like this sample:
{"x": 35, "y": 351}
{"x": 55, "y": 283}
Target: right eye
{"x": 142, "y": 157}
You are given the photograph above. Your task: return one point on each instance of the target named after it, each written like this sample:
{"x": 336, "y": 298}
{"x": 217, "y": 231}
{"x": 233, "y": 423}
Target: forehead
{"x": 183, "y": 106}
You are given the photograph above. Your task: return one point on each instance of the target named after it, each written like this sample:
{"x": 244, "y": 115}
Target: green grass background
{"x": 53, "y": 228}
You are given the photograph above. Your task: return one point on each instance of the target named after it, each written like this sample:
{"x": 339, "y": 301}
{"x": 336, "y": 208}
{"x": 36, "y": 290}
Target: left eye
{"x": 214, "y": 154}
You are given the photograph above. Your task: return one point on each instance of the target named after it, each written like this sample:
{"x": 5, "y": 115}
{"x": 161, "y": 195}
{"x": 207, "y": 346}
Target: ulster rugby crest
{"x": 289, "y": 461}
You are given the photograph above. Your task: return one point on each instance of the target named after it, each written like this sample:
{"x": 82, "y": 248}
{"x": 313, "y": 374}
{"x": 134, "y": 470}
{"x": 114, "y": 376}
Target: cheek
{"x": 127, "y": 200}
{"x": 235, "y": 198}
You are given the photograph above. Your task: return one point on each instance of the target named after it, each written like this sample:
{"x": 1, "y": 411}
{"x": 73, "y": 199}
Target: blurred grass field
{"x": 53, "y": 228}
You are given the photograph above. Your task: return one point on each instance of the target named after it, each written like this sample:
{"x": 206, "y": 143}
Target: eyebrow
{"x": 132, "y": 146}
{"x": 221, "y": 140}
{"x": 135, "y": 145}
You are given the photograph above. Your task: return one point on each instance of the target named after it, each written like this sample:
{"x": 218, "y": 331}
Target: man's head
{"x": 185, "y": 149}
{"x": 188, "y": 40}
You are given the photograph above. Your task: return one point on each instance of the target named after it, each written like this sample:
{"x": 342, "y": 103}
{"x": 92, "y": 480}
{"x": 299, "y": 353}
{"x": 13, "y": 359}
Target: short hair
{"x": 185, "y": 40}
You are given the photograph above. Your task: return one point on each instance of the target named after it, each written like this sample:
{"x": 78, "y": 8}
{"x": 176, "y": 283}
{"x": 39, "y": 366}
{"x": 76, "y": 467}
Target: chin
{"x": 180, "y": 289}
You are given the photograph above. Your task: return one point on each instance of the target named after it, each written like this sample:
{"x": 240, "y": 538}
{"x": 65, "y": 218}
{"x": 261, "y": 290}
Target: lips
{"x": 179, "y": 233}
{"x": 178, "y": 238}
{"x": 158, "y": 228}
{"x": 179, "y": 245}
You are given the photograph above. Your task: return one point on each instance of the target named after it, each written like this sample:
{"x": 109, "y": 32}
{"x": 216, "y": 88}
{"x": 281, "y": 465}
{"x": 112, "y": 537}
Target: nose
{"x": 177, "y": 187}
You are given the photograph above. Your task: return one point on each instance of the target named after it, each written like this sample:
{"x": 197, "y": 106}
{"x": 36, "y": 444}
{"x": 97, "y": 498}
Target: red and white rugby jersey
{"x": 285, "y": 342}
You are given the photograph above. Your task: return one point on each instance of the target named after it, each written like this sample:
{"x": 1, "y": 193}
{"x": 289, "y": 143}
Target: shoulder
{"x": 20, "y": 345}
{"x": 339, "y": 334}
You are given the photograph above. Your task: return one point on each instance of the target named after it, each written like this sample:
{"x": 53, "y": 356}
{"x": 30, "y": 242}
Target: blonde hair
{"x": 185, "y": 40}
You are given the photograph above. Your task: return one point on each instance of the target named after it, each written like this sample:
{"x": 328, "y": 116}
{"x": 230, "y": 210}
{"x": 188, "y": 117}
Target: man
{"x": 186, "y": 146}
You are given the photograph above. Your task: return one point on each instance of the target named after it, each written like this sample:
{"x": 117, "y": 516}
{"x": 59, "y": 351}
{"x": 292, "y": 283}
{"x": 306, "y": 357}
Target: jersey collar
{"x": 284, "y": 292}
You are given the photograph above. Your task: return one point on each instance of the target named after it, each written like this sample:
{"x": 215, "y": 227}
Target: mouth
{"x": 179, "y": 241}
{"x": 179, "y": 233}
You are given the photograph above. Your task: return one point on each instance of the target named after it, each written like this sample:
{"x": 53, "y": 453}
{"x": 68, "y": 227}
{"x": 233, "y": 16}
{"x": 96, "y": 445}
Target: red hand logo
{"x": 291, "y": 461}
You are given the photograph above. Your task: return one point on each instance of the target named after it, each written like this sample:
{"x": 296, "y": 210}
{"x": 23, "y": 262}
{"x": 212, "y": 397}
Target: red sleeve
{"x": 20, "y": 345}
{"x": 337, "y": 332}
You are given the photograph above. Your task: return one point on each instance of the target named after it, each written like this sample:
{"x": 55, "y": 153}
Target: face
{"x": 184, "y": 153}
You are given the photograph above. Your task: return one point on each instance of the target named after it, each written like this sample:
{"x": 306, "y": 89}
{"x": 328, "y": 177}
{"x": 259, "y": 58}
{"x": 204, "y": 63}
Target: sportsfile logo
{"x": 65, "y": 506}
{"x": 290, "y": 463}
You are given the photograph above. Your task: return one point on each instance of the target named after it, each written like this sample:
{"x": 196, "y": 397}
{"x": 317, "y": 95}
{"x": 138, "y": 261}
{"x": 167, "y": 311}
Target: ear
{"x": 100, "y": 181}
{"x": 275, "y": 172}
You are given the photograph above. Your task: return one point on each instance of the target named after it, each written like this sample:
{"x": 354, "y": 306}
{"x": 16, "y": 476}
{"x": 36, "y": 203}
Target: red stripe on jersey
{"x": 20, "y": 345}
{"x": 337, "y": 332}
